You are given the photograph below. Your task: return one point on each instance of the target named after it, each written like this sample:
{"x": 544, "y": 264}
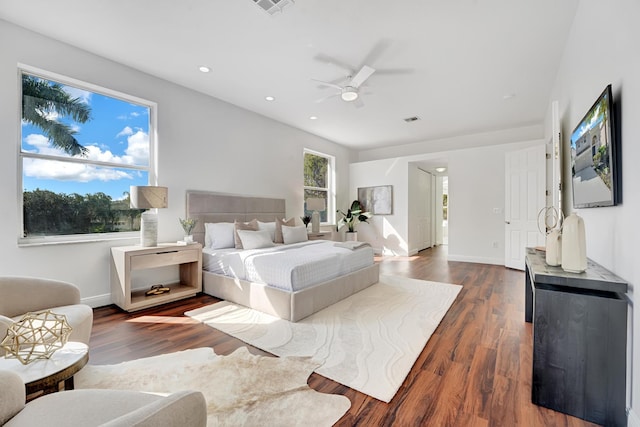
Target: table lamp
{"x": 148, "y": 197}
{"x": 315, "y": 205}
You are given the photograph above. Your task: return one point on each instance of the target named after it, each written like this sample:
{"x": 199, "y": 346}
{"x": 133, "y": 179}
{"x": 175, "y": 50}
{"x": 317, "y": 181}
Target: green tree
{"x": 40, "y": 100}
{"x": 315, "y": 170}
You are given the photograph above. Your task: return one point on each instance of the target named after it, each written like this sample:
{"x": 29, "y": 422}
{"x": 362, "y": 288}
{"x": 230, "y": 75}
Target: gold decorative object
{"x": 36, "y": 336}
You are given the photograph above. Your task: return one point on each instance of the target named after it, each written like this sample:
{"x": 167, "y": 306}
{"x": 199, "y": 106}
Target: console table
{"x": 579, "y": 339}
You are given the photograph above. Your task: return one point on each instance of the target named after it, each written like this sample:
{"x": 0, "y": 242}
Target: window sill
{"x": 74, "y": 239}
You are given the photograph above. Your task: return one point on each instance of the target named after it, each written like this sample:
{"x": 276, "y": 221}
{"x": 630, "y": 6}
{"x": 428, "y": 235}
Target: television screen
{"x": 593, "y": 156}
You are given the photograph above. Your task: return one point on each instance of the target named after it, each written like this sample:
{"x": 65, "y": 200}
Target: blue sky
{"x": 118, "y": 132}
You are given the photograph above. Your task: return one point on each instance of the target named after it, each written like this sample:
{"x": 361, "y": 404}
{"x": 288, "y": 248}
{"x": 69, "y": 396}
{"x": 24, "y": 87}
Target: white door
{"x": 425, "y": 209}
{"x": 524, "y": 198}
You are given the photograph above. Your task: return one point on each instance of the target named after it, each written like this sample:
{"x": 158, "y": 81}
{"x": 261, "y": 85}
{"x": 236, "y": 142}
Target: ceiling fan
{"x": 350, "y": 91}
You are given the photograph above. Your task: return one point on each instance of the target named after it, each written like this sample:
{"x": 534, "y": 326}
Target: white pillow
{"x": 255, "y": 239}
{"x": 270, "y": 227}
{"x": 219, "y": 235}
{"x": 294, "y": 234}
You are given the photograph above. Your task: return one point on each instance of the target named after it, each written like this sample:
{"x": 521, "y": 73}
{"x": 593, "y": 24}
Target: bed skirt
{"x": 292, "y": 306}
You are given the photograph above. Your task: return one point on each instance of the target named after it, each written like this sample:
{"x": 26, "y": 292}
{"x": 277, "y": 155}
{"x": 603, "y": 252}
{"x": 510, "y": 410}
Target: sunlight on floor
{"x": 163, "y": 319}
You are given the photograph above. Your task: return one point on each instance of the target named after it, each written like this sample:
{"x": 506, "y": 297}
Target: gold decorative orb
{"x": 36, "y": 336}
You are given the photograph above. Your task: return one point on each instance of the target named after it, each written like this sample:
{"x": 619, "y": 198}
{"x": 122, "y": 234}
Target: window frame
{"x": 331, "y": 185}
{"x": 151, "y": 169}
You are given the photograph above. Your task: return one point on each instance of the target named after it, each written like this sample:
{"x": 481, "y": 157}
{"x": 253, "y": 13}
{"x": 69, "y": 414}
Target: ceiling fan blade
{"x": 364, "y": 73}
{"x": 377, "y": 51}
{"x": 326, "y": 59}
{"x": 327, "y": 97}
{"x": 358, "y": 103}
{"x": 327, "y": 83}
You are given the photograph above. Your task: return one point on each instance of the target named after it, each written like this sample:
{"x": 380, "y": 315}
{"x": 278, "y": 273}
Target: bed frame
{"x": 209, "y": 207}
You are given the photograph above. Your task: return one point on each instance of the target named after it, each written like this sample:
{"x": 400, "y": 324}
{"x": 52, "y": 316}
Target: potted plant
{"x": 353, "y": 216}
{"x": 306, "y": 220}
{"x": 187, "y": 226}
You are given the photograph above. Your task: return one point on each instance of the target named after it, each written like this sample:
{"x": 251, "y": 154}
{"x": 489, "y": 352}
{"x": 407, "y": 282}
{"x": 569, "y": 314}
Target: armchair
{"x": 19, "y": 295}
{"x": 113, "y": 408}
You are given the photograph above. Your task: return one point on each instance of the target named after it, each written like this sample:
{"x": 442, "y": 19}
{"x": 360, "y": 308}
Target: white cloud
{"x": 136, "y": 153}
{"x": 77, "y": 172}
{"x": 138, "y": 148}
{"x": 126, "y": 131}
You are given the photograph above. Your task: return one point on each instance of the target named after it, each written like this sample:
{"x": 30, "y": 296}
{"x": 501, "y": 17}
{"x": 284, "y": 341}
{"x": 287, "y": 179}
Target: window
{"x": 81, "y": 148}
{"x": 319, "y": 183}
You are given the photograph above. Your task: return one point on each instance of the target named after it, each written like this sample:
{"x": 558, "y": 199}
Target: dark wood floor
{"x": 474, "y": 371}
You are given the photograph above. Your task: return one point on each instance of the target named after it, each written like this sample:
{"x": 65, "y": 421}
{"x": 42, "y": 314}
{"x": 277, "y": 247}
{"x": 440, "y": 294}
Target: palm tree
{"x": 39, "y": 98}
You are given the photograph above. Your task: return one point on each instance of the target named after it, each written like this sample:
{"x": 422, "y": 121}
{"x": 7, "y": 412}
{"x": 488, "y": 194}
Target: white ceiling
{"x": 451, "y": 63}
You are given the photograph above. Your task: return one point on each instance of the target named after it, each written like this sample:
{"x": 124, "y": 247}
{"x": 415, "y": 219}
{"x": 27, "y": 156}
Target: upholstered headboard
{"x": 206, "y": 207}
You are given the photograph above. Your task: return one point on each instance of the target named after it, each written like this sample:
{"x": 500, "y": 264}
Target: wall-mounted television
{"x": 593, "y": 156}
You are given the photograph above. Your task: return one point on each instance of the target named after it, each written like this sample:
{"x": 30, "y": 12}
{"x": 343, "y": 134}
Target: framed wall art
{"x": 377, "y": 200}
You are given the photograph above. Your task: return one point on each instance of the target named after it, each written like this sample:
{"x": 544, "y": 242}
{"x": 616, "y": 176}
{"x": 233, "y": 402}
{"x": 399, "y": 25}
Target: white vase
{"x": 574, "y": 247}
{"x": 554, "y": 248}
{"x": 351, "y": 236}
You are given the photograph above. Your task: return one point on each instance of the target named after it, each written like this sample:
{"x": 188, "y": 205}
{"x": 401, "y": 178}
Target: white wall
{"x": 602, "y": 49}
{"x": 476, "y": 187}
{"x": 386, "y": 233}
{"x": 204, "y": 144}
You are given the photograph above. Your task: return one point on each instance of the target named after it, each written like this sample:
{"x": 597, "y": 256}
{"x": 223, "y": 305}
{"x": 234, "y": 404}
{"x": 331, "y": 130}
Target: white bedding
{"x": 288, "y": 267}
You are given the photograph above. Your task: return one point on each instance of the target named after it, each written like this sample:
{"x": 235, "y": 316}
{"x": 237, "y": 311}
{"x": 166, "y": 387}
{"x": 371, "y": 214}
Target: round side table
{"x": 44, "y": 376}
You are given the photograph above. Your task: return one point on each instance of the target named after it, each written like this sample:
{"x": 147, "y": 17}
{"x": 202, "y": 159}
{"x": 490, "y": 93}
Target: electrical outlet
{"x": 495, "y": 245}
{"x": 496, "y": 210}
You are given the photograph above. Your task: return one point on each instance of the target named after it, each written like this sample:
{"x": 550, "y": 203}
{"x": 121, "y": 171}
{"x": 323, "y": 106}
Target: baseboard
{"x": 97, "y": 301}
{"x": 632, "y": 419}
{"x": 476, "y": 260}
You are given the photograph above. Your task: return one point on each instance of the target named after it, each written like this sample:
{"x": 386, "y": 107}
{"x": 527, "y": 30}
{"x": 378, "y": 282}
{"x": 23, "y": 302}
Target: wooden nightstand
{"x": 126, "y": 259}
{"x": 322, "y": 235}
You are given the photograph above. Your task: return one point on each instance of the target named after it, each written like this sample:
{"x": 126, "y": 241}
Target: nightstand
{"x": 322, "y": 235}
{"x": 127, "y": 259}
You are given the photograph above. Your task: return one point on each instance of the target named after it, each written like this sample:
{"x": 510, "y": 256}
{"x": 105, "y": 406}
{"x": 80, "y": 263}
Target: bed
{"x": 291, "y": 301}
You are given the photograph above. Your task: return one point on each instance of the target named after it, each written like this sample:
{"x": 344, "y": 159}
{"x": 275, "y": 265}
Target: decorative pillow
{"x": 255, "y": 239}
{"x": 251, "y": 226}
{"x": 270, "y": 227}
{"x": 219, "y": 235}
{"x": 294, "y": 234}
{"x": 279, "y": 223}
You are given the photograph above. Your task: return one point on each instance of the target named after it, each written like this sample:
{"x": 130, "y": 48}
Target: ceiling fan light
{"x": 349, "y": 94}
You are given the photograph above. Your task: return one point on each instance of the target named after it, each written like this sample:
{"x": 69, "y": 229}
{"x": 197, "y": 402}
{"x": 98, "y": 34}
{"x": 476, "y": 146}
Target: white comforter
{"x": 289, "y": 267}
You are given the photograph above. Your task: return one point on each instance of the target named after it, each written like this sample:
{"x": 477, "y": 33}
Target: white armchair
{"x": 19, "y": 295}
{"x": 113, "y": 408}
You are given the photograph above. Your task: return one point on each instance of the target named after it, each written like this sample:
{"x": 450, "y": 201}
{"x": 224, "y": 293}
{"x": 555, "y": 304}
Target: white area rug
{"x": 368, "y": 342}
{"x": 240, "y": 389}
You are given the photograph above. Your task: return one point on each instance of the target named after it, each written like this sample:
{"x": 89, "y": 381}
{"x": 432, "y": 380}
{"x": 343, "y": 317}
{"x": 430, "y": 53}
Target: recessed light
{"x": 509, "y": 96}
{"x": 441, "y": 169}
{"x": 269, "y": 98}
{"x": 313, "y": 118}
{"x": 204, "y": 69}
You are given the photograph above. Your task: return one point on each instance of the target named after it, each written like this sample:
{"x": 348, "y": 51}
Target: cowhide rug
{"x": 240, "y": 389}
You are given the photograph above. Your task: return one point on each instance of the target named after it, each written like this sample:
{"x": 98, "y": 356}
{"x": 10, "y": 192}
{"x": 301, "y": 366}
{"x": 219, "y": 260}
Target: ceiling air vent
{"x": 412, "y": 119}
{"x": 273, "y": 6}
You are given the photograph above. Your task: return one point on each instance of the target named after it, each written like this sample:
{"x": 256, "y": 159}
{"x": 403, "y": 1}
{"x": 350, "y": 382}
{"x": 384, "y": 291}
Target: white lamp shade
{"x": 315, "y": 204}
{"x": 148, "y": 197}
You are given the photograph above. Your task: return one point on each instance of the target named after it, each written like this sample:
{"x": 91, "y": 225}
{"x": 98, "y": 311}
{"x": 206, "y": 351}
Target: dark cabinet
{"x": 579, "y": 340}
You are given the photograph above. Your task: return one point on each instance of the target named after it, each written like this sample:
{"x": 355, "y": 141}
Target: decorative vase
{"x": 351, "y": 236}
{"x": 188, "y": 238}
{"x": 336, "y": 236}
{"x": 554, "y": 248}
{"x": 574, "y": 247}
